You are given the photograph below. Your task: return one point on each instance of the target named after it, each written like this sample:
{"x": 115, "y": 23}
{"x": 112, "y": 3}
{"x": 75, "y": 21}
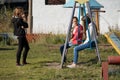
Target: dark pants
{"x": 22, "y": 43}
{"x": 61, "y": 50}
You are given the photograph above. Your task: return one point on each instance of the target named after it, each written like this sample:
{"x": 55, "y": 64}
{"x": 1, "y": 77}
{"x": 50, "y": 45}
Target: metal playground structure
{"x": 83, "y": 5}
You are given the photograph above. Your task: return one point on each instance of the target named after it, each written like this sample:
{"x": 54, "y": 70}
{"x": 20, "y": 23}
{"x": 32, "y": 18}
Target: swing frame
{"x": 69, "y": 30}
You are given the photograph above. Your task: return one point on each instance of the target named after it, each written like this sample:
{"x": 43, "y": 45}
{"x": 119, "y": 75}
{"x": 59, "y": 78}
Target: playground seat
{"x": 92, "y": 45}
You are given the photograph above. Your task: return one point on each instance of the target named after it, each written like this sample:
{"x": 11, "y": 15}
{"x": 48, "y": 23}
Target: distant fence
{"x": 6, "y": 38}
{"x": 33, "y": 37}
{"x": 37, "y": 37}
{"x": 9, "y": 38}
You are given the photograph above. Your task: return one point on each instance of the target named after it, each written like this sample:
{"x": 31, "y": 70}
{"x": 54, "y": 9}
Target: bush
{"x": 55, "y": 39}
{"x": 0, "y": 38}
{"x": 102, "y": 39}
{"x": 5, "y": 23}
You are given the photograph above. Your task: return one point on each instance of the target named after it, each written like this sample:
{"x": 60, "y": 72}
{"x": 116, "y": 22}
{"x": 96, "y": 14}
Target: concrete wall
{"x": 55, "y": 18}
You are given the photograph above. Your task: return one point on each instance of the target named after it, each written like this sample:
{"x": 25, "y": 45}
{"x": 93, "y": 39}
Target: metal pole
{"x": 79, "y": 13}
{"x": 67, "y": 37}
{"x": 94, "y": 30}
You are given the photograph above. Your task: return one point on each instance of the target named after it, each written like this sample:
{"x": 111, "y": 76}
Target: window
{"x": 54, "y": 2}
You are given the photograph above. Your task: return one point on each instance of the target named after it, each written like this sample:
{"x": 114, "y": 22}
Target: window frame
{"x": 47, "y": 2}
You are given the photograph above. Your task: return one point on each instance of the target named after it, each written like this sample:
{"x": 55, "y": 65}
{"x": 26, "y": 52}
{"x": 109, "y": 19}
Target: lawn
{"x": 45, "y": 59}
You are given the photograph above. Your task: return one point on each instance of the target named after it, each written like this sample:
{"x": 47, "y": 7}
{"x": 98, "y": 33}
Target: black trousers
{"x": 22, "y": 43}
{"x": 61, "y": 50}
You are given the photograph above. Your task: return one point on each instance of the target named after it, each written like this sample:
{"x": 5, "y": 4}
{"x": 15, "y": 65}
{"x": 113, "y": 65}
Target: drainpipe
{"x": 30, "y": 17}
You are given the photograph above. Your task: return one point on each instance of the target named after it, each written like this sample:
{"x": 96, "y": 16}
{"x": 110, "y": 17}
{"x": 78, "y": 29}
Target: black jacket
{"x": 18, "y": 23}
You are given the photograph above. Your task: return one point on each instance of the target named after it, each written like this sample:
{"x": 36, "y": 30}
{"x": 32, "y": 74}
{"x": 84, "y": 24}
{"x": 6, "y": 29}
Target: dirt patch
{"x": 53, "y": 65}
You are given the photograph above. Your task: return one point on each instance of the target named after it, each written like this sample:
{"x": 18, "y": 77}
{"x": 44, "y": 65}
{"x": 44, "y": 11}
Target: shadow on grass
{"x": 6, "y": 48}
{"x": 91, "y": 61}
{"x": 48, "y": 64}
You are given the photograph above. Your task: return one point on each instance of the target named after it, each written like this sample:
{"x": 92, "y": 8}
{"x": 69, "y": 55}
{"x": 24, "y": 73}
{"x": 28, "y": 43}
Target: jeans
{"x": 62, "y": 47}
{"x": 79, "y": 48}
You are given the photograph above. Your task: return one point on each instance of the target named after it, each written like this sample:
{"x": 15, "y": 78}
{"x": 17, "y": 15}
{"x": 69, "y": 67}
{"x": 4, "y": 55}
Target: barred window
{"x": 54, "y": 2}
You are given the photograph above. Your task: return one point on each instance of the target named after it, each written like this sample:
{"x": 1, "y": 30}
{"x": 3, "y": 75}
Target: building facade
{"x": 49, "y": 18}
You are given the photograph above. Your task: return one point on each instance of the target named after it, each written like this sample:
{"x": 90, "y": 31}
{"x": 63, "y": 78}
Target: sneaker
{"x": 71, "y": 66}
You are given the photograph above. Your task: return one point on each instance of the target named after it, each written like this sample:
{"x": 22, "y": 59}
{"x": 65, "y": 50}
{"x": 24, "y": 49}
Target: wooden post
{"x": 30, "y": 17}
{"x": 97, "y": 22}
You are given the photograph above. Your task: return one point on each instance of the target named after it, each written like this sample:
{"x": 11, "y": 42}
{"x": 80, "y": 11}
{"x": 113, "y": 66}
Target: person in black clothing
{"x": 20, "y": 24}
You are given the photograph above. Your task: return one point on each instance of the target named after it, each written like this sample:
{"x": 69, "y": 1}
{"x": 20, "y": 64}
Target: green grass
{"x": 45, "y": 59}
{"x": 45, "y": 62}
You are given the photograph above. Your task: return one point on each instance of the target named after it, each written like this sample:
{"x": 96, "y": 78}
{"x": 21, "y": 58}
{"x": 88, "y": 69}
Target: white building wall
{"x": 55, "y": 18}
{"x": 50, "y": 18}
{"x": 119, "y": 18}
{"x": 111, "y": 17}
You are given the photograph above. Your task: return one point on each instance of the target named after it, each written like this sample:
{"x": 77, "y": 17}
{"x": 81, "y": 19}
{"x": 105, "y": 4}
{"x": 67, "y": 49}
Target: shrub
{"x": 55, "y": 39}
{"x": 5, "y": 23}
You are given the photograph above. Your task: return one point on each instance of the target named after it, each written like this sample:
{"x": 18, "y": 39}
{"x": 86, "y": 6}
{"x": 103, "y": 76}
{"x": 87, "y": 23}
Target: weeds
{"x": 5, "y": 23}
{"x": 55, "y": 39}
